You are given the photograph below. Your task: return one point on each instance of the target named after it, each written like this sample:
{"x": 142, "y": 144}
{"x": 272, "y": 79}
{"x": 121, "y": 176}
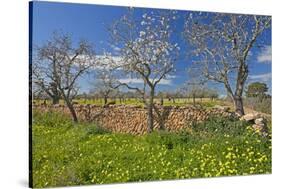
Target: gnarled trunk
{"x": 237, "y": 101}
{"x": 72, "y": 111}
{"x": 241, "y": 78}
{"x": 193, "y": 98}
{"x": 161, "y": 101}
{"x": 238, "y": 104}
{"x": 150, "y": 119}
{"x": 105, "y": 100}
{"x": 55, "y": 99}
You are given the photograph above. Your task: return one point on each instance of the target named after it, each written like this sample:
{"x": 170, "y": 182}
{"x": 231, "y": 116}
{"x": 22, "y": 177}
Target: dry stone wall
{"x": 132, "y": 119}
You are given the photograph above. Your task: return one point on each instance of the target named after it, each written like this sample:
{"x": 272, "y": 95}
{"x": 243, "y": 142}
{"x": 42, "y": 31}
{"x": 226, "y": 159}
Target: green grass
{"x": 76, "y": 154}
{"x": 207, "y": 103}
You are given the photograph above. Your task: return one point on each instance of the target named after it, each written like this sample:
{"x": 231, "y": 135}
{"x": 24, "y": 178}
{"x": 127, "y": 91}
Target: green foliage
{"x": 67, "y": 154}
{"x": 215, "y": 126}
{"x": 257, "y": 98}
{"x": 256, "y": 89}
{"x": 95, "y": 129}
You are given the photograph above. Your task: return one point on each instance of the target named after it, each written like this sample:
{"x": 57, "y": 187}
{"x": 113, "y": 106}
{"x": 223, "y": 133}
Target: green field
{"x": 74, "y": 154}
{"x": 206, "y": 102}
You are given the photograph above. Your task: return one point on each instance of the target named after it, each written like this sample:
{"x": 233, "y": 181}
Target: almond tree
{"x": 192, "y": 90}
{"x": 147, "y": 53}
{"x": 105, "y": 84}
{"x": 43, "y": 84}
{"x": 221, "y": 44}
{"x": 59, "y": 65}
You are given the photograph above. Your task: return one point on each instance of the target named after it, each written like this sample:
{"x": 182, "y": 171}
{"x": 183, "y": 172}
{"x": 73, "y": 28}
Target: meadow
{"x": 205, "y": 102}
{"x": 65, "y": 153}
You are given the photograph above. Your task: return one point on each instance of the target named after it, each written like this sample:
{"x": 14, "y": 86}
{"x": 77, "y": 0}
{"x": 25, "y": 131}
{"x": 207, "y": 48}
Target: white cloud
{"x": 165, "y": 82}
{"x": 265, "y": 56}
{"x": 115, "y": 48}
{"x": 171, "y": 76}
{"x": 261, "y": 77}
{"x": 108, "y": 59}
{"x": 140, "y": 81}
{"x": 131, "y": 80}
{"x": 106, "y": 62}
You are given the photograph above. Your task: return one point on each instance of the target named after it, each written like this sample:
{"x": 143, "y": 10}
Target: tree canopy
{"x": 256, "y": 89}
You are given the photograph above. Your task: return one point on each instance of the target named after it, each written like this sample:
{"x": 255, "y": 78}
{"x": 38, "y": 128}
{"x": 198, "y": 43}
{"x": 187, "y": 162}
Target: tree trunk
{"x": 150, "y": 120}
{"x": 161, "y": 101}
{"x": 238, "y": 103}
{"x": 55, "y": 100}
{"x": 105, "y": 100}
{"x": 160, "y": 117}
{"x": 45, "y": 103}
{"x": 241, "y": 79}
{"x": 193, "y": 100}
{"x": 161, "y": 124}
{"x": 72, "y": 111}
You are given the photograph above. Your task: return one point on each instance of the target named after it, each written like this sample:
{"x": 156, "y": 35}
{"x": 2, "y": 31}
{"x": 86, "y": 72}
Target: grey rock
{"x": 259, "y": 121}
{"x": 250, "y": 117}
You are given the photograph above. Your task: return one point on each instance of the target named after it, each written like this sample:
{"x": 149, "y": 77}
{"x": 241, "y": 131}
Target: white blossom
{"x": 142, "y": 33}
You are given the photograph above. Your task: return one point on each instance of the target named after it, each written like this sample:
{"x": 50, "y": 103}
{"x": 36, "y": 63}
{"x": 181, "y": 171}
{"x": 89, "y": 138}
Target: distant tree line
{"x": 257, "y": 97}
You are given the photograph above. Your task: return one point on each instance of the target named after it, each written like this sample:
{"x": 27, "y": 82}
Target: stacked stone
{"x": 133, "y": 119}
{"x": 257, "y": 121}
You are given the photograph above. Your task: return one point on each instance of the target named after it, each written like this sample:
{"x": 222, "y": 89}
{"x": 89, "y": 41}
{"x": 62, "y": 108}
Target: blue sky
{"x": 89, "y": 22}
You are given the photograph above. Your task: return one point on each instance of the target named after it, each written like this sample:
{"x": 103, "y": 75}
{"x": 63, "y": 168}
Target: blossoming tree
{"x": 146, "y": 52}
{"x": 59, "y": 64}
{"x": 221, "y": 45}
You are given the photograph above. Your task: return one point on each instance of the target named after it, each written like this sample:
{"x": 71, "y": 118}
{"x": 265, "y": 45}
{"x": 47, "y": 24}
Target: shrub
{"x": 169, "y": 139}
{"x": 259, "y": 104}
{"x": 94, "y": 129}
{"x": 220, "y": 126}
